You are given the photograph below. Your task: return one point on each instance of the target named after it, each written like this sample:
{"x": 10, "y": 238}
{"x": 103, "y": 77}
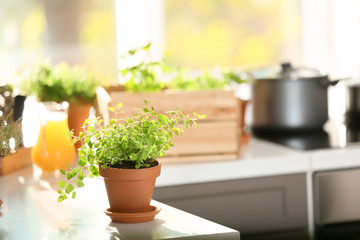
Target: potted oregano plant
{"x": 125, "y": 153}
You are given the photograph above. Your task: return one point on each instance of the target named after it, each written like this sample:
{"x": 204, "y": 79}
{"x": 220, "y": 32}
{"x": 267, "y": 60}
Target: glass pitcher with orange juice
{"x": 53, "y": 149}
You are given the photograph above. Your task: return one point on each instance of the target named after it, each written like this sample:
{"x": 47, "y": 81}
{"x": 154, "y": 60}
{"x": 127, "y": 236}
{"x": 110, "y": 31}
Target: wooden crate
{"x": 16, "y": 161}
{"x": 217, "y": 137}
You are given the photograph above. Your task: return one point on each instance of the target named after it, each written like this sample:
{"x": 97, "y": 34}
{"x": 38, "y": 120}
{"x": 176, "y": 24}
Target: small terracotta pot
{"x": 79, "y": 111}
{"x": 130, "y": 190}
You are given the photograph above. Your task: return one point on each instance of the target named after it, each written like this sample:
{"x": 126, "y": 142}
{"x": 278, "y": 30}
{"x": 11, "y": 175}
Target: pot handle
{"x": 334, "y": 82}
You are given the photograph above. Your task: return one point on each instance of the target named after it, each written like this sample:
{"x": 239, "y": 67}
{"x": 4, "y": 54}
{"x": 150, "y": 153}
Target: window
{"x": 75, "y": 31}
{"x": 253, "y": 33}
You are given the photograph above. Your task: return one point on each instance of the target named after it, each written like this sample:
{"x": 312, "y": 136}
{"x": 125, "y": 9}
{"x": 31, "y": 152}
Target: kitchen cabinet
{"x": 252, "y": 205}
{"x": 336, "y": 196}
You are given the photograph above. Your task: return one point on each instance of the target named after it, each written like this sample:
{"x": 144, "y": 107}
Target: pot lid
{"x": 286, "y": 71}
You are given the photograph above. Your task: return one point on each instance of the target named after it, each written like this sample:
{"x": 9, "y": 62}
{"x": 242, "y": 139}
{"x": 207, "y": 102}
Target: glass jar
{"x": 53, "y": 149}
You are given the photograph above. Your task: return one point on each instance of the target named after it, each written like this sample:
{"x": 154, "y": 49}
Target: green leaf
{"x": 147, "y": 46}
{"x": 111, "y": 109}
{"x": 162, "y": 119}
{"x": 60, "y": 198}
{"x": 202, "y": 116}
{"x": 81, "y": 163}
{"x": 59, "y": 191}
{"x": 133, "y": 156}
{"x": 62, "y": 171}
{"x": 186, "y": 123}
{"x": 70, "y": 175}
{"x": 73, "y": 195}
{"x": 62, "y": 184}
{"x": 144, "y": 155}
{"x": 119, "y": 105}
{"x": 132, "y": 51}
{"x": 81, "y": 176}
{"x": 94, "y": 170}
{"x": 80, "y": 183}
{"x": 151, "y": 141}
{"x": 69, "y": 188}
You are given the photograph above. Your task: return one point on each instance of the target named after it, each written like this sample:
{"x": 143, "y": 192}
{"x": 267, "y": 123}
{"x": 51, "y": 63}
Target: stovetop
{"x": 334, "y": 134}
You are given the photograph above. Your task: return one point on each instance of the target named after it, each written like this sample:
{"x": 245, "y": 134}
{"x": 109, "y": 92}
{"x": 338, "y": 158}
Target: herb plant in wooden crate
{"x": 217, "y": 137}
{"x": 10, "y": 139}
{"x": 11, "y": 135}
{"x": 125, "y": 153}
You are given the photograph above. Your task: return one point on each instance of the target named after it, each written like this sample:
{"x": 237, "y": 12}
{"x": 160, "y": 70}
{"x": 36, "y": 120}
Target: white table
{"x": 30, "y": 211}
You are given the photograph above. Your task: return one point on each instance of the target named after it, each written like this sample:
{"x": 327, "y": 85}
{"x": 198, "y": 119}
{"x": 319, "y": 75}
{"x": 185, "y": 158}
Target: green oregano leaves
{"x": 138, "y": 140}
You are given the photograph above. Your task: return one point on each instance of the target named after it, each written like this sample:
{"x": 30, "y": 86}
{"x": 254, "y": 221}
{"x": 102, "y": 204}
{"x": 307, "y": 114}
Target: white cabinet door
{"x": 249, "y": 205}
{"x": 337, "y": 196}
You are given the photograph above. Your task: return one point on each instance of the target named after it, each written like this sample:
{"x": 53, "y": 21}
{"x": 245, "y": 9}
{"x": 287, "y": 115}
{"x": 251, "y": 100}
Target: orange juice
{"x": 54, "y": 149}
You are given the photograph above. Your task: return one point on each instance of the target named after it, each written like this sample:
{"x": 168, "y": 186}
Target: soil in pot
{"x": 130, "y": 190}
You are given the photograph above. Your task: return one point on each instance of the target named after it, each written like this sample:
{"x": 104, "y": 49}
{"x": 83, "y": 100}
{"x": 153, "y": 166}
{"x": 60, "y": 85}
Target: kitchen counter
{"x": 30, "y": 211}
{"x": 261, "y": 159}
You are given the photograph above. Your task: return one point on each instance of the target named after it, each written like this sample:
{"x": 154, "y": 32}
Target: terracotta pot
{"x": 130, "y": 190}
{"x": 78, "y": 112}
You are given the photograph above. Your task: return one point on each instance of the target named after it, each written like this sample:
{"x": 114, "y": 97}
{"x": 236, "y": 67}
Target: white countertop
{"x": 260, "y": 159}
{"x": 332, "y": 159}
{"x": 30, "y": 211}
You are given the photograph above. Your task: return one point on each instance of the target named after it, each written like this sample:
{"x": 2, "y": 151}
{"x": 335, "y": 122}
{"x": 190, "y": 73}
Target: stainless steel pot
{"x": 292, "y": 99}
